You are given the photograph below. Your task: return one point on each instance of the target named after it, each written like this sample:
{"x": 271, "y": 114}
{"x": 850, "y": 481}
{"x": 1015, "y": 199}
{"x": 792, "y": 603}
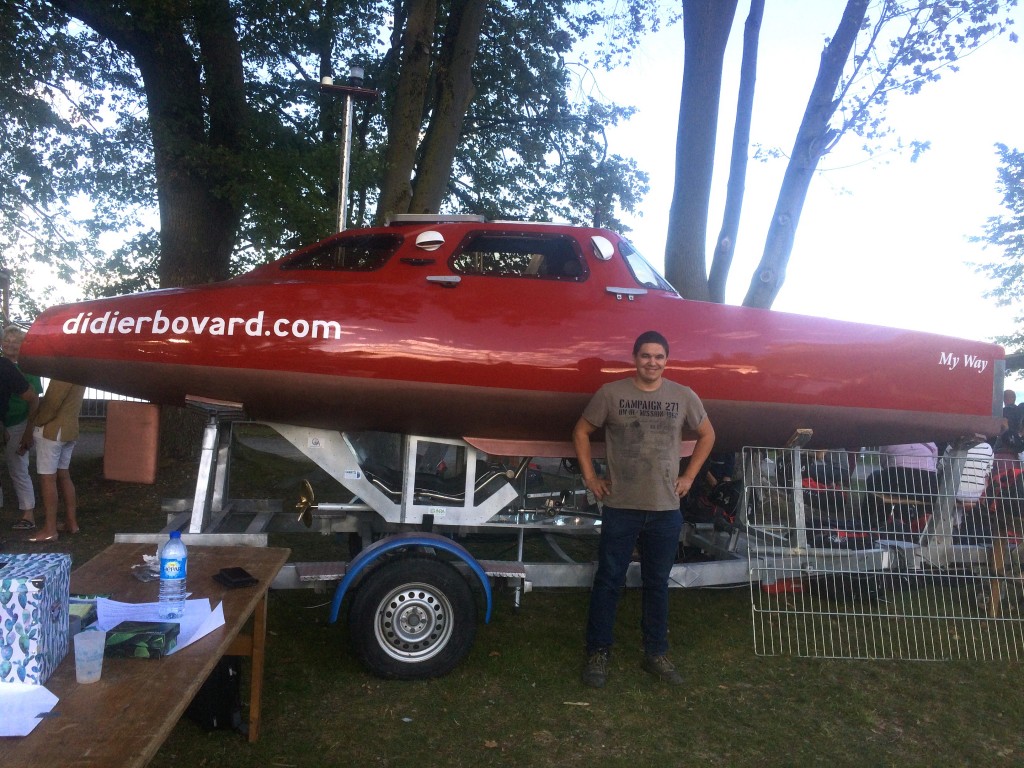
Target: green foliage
{"x": 74, "y": 123}
{"x": 554, "y": 167}
{"x": 1005, "y": 232}
{"x": 904, "y": 46}
{"x": 78, "y": 183}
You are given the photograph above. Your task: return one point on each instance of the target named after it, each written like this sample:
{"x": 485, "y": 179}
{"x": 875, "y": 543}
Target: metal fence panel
{"x": 856, "y": 559}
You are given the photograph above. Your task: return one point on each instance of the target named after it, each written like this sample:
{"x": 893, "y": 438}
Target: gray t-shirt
{"x": 643, "y": 436}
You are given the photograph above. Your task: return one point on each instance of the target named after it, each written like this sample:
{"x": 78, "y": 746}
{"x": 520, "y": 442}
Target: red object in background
{"x": 131, "y": 441}
{"x": 500, "y": 332}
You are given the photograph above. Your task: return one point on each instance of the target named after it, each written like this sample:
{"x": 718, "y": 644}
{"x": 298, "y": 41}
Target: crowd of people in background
{"x": 907, "y": 476}
{"x": 43, "y": 423}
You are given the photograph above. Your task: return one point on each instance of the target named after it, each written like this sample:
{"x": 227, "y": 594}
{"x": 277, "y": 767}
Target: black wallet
{"x": 235, "y": 577}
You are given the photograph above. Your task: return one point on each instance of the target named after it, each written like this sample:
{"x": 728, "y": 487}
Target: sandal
{"x": 23, "y": 525}
{"x": 42, "y": 539}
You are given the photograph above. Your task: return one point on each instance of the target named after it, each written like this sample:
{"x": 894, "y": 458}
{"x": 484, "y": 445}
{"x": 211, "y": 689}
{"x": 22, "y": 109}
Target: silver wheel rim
{"x": 414, "y": 622}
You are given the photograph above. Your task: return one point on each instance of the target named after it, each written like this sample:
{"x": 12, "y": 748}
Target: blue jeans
{"x": 658, "y": 536}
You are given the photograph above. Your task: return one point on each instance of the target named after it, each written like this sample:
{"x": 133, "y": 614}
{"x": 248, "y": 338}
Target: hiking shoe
{"x": 662, "y": 668}
{"x": 595, "y": 673}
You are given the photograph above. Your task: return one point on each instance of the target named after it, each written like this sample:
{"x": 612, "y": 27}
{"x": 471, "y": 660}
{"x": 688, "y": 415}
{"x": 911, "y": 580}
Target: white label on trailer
{"x": 438, "y": 511}
{"x": 352, "y": 474}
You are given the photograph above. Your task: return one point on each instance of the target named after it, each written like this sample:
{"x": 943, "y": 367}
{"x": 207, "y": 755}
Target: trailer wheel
{"x": 413, "y": 618}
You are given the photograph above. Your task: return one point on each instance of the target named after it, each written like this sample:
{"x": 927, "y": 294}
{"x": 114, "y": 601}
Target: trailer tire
{"x": 413, "y": 618}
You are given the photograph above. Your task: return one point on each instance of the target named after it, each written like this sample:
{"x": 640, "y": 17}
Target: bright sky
{"x": 885, "y": 241}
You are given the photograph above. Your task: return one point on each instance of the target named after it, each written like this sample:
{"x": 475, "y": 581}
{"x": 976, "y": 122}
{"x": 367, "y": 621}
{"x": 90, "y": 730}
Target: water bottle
{"x": 173, "y": 566}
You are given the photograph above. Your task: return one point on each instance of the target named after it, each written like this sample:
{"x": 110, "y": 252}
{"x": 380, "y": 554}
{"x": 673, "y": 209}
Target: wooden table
{"x": 123, "y": 719}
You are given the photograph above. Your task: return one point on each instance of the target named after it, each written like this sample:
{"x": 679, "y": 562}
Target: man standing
{"x": 643, "y": 419}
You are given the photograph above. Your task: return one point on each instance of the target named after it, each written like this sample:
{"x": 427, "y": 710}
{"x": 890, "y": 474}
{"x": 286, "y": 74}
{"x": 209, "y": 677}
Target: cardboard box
{"x": 131, "y": 441}
{"x": 33, "y": 615}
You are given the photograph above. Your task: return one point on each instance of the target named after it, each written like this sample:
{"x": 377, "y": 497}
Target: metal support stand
{"x": 351, "y": 91}
{"x": 520, "y": 551}
{"x": 208, "y": 505}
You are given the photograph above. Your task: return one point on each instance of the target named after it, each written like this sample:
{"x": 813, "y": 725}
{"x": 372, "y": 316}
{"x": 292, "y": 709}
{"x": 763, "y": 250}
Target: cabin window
{"x": 545, "y": 257}
{"x": 356, "y": 253}
{"x": 643, "y": 272}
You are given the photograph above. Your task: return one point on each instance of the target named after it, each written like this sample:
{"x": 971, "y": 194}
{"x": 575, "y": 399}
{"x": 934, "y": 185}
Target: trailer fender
{"x": 380, "y": 548}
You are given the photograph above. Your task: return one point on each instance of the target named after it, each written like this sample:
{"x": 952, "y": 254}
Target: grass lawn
{"x": 517, "y": 699}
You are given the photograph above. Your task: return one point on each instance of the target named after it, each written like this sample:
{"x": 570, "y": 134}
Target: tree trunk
{"x": 812, "y": 140}
{"x": 453, "y": 91}
{"x": 706, "y": 25}
{"x": 725, "y": 247}
{"x": 406, "y": 118}
{"x": 196, "y": 166}
{"x": 198, "y": 152}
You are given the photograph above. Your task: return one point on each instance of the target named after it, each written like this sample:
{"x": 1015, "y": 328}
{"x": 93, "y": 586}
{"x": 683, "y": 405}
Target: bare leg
{"x": 67, "y": 492}
{"x": 48, "y": 490}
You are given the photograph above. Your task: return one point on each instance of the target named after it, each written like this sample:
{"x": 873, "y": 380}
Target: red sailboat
{"x": 497, "y": 333}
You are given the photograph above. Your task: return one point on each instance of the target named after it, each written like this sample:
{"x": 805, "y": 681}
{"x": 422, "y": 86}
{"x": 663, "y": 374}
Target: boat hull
{"x": 395, "y": 349}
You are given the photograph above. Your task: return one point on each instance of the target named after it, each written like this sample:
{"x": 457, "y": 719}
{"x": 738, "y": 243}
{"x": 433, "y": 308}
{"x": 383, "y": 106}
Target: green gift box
{"x": 142, "y": 639}
{"x": 80, "y": 615}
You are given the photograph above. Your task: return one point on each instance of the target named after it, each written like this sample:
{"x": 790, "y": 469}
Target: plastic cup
{"x": 89, "y": 647}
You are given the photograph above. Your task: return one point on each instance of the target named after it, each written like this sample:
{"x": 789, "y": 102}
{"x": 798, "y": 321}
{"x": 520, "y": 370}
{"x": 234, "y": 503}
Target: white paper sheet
{"x": 22, "y": 707}
{"x": 199, "y": 619}
{"x": 214, "y": 619}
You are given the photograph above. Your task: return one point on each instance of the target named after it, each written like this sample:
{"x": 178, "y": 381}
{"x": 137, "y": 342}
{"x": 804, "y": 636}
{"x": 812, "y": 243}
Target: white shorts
{"x": 51, "y": 455}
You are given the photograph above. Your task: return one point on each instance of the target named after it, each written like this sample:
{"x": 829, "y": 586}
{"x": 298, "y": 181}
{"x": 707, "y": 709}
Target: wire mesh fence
{"x": 884, "y": 557}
